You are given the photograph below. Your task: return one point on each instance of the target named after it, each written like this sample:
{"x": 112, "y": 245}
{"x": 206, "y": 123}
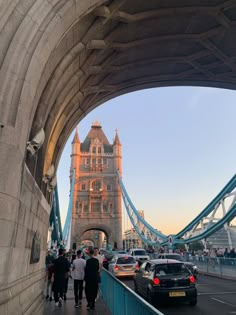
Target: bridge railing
{"x": 121, "y": 300}
{"x": 218, "y": 266}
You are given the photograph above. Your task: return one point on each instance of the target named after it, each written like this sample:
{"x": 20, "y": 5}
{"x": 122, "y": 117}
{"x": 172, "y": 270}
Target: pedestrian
{"x": 48, "y": 259}
{"x": 98, "y": 257}
{"x": 49, "y": 281}
{"x": 100, "y": 261}
{"x": 68, "y": 275}
{"x": 91, "y": 279}
{"x": 78, "y": 269}
{"x": 60, "y": 269}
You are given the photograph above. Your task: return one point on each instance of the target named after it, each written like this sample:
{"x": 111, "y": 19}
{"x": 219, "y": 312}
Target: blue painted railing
{"x": 121, "y": 300}
{"x": 216, "y": 266}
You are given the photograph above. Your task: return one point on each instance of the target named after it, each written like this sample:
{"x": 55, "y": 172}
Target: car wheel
{"x": 193, "y": 302}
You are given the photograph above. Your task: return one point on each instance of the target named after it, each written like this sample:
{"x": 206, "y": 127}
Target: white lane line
{"x": 216, "y": 293}
{"x": 234, "y": 312}
{"x": 223, "y": 302}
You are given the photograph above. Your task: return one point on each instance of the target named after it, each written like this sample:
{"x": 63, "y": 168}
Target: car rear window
{"x": 140, "y": 252}
{"x": 126, "y": 260}
{"x": 176, "y": 257}
{"x": 169, "y": 269}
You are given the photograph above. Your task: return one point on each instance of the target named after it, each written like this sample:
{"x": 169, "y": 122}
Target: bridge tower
{"x": 97, "y": 204}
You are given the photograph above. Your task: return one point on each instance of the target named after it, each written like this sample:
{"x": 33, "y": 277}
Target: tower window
{"x": 99, "y": 150}
{"x": 87, "y": 161}
{"x": 94, "y": 150}
{"x": 97, "y": 185}
{"x": 109, "y": 187}
{"x": 83, "y": 187}
{"x": 94, "y": 161}
{"x": 99, "y": 161}
{"x": 105, "y": 208}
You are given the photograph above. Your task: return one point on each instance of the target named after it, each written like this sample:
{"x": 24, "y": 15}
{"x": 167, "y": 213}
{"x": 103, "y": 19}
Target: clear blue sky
{"x": 179, "y": 149}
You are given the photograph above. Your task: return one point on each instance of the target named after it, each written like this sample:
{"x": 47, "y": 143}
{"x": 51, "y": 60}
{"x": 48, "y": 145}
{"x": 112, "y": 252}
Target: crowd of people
{"x": 84, "y": 267}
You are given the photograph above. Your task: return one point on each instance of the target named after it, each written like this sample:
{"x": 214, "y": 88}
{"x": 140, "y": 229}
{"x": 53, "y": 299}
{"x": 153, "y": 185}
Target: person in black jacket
{"x": 91, "y": 279}
{"x": 60, "y": 270}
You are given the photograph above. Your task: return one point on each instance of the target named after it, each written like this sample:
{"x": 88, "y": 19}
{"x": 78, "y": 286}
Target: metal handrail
{"x": 121, "y": 300}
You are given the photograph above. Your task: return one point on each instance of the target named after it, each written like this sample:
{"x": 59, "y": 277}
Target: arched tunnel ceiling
{"x": 115, "y": 47}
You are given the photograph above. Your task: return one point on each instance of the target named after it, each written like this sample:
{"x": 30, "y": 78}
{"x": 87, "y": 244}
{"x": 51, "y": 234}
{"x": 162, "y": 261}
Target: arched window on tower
{"x": 96, "y": 185}
{"x": 94, "y": 150}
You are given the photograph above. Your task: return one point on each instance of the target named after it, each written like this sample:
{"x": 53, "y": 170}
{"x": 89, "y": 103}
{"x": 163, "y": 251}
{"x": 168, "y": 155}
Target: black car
{"x": 179, "y": 257}
{"x": 162, "y": 280}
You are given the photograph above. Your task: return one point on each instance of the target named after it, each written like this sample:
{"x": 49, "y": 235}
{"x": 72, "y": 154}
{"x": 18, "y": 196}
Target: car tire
{"x": 193, "y": 302}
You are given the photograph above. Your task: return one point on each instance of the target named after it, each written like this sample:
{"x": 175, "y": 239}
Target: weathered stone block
{"x": 7, "y": 233}
{"x": 8, "y": 208}
{"x": 4, "y": 262}
{"x": 10, "y": 176}
{"x": 20, "y": 241}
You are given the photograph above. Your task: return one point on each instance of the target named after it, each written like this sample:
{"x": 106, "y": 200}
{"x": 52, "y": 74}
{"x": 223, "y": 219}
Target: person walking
{"x": 91, "y": 279}
{"x": 60, "y": 269}
{"x": 100, "y": 261}
{"x": 78, "y": 268}
{"x": 49, "y": 281}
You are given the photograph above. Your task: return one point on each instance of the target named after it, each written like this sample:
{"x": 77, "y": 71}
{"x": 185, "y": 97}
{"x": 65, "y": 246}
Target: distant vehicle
{"x": 119, "y": 252}
{"x": 163, "y": 280}
{"x": 123, "y": 266}
{"x": 139, "y": 254}
{"x": 178, "y": 257}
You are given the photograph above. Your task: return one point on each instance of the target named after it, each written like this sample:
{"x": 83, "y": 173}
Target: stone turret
{"x": 117, "y": 150}
{"x": 75, "y": 155}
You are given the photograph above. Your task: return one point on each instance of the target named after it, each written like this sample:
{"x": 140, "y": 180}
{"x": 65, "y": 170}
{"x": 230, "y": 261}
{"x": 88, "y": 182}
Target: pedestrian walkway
{"x": 69, "y": 309}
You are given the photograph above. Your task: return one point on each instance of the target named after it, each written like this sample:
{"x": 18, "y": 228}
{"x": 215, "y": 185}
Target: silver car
{"x": 123, "y": 266}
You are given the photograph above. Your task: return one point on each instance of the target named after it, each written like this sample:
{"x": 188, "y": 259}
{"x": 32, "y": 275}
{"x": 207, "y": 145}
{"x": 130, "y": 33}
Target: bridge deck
{"x": 69, "y": 309}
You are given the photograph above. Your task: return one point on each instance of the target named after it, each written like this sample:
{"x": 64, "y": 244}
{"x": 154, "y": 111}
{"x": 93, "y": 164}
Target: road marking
{"x": 215, "y": 293}
{"x": 223, "y": 302}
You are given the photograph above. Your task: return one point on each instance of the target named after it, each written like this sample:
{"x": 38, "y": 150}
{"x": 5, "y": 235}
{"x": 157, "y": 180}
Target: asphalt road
{"x": 215, "y": 297}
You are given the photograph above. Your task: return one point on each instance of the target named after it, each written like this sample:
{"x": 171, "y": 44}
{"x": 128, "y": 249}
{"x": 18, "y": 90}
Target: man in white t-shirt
{"x": 78, "y": 267}
{"x": 99, "y": 258}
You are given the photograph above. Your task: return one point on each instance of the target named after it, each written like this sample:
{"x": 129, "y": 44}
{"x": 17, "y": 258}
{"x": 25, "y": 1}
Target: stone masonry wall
{"x": 22, "y": 283}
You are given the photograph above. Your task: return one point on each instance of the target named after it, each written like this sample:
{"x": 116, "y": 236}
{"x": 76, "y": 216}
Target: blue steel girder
{"x": 218, "y": 214}
{"x": 146, "y": 232}
{"x": 67, "y": 225}
{"x": 210, "y": 208}
{"x": 55, "y": 218}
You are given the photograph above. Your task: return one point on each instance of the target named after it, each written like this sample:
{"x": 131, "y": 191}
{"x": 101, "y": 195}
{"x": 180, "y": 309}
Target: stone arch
{"x": 61, "y": 59}
{"x": 95, "y": 226}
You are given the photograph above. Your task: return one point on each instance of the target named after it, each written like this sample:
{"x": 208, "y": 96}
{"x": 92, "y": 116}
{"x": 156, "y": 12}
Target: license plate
{"x": 127, "y": 267}
{"x": 179, "y": 293}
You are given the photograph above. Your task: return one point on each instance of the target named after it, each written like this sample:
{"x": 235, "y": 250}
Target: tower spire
{"x": 117, "y": 139}
{"x": 76, "y": 136}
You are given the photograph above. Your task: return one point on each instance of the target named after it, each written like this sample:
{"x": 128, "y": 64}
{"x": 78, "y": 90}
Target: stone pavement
{"x": 69, "y": 309}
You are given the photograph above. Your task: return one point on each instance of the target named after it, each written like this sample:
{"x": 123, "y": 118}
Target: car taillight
{"x": 137, "y": 267}
{"x": 116, "y": 267}
{"x": 192, "y": 279}
{"x": 156, "y": 281}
